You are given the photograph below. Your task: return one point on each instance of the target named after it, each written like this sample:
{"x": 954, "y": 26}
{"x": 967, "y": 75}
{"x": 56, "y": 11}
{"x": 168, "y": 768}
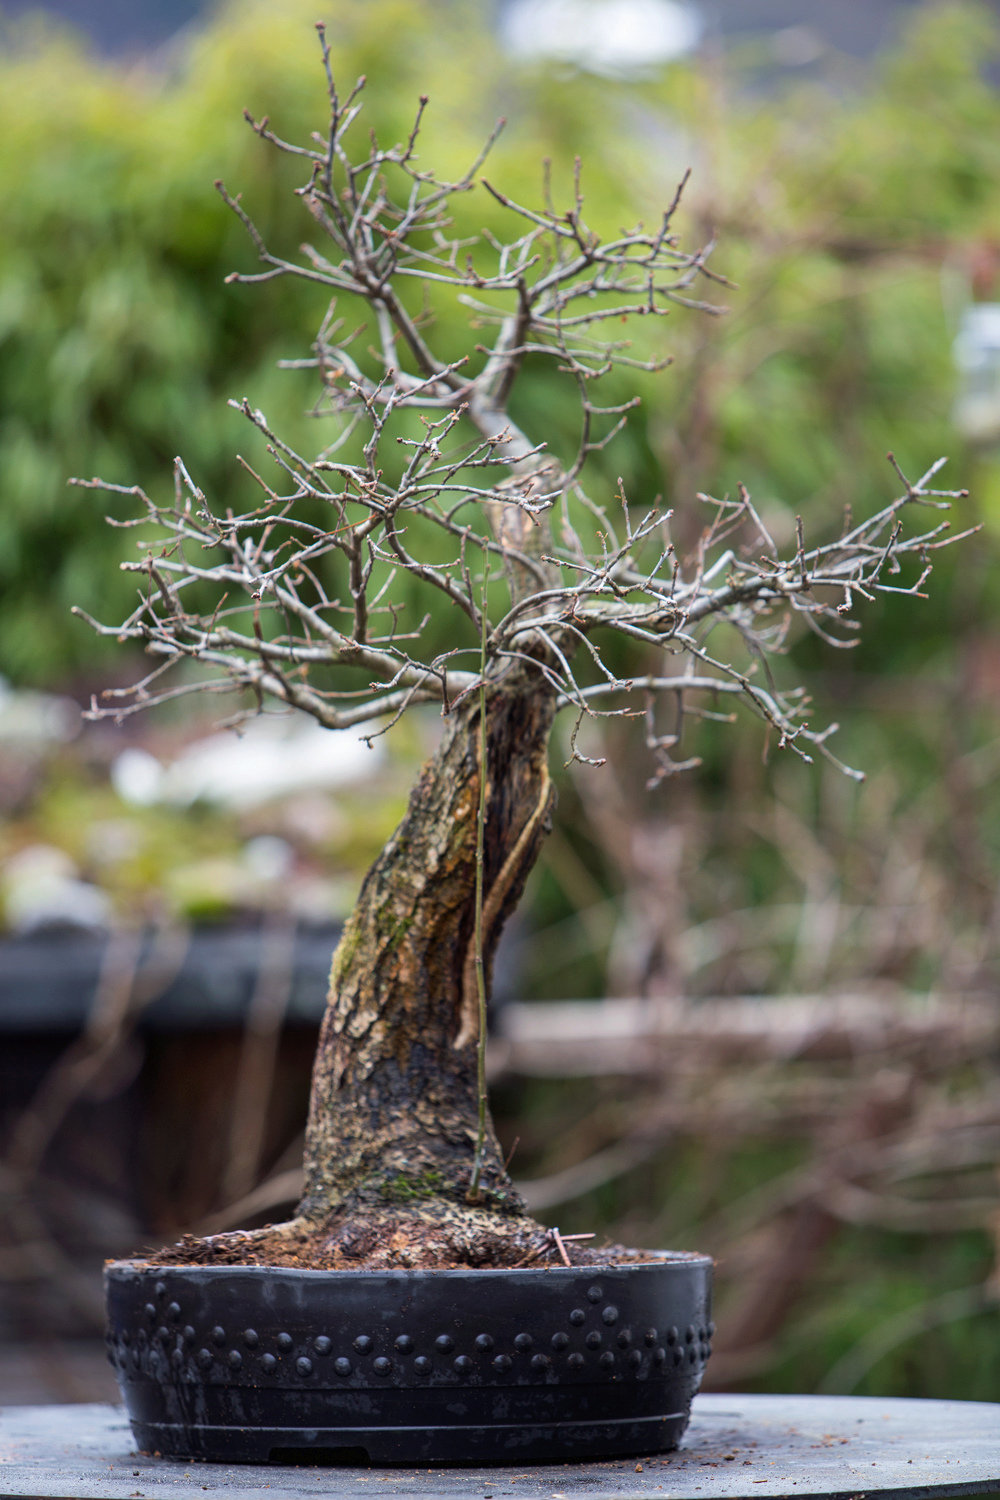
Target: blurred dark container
{"x": 139, "y": 1153}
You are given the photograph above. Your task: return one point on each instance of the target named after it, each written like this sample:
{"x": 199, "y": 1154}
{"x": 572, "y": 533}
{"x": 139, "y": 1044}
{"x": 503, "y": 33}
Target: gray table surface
{"x": 844, "y": 1446}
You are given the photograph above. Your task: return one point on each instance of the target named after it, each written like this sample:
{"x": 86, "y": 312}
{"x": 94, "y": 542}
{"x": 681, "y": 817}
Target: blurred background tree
{"x": 858, "y": 211}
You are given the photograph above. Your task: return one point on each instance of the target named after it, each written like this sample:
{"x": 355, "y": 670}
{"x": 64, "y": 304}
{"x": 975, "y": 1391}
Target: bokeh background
{"x": 755, "y": 1012}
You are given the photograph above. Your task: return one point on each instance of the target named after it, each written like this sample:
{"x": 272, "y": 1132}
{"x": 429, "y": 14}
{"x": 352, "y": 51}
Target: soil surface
{"x": 420, "y": 1242}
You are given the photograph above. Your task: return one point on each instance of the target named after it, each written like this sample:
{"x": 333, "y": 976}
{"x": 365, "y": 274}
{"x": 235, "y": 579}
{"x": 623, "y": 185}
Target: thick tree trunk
{"x": 394, "y": 1110}
{"x": 393, "y": 1115}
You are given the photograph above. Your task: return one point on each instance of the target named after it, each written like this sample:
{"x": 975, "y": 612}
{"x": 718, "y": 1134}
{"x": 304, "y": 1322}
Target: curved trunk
{"x": 394, "y": 1111}
{"x": 393, "y": 1115}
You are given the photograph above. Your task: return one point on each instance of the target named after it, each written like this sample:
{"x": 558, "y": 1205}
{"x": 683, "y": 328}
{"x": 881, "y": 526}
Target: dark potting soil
{"x": 418, "y": 1244}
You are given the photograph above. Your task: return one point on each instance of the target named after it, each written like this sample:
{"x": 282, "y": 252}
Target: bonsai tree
{"x": 306, "y": 602}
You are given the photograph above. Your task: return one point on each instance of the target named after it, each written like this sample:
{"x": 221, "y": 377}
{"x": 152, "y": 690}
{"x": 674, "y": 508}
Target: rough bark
{"x": 394, "y": 1087}
{"x": 393, "y": 1114}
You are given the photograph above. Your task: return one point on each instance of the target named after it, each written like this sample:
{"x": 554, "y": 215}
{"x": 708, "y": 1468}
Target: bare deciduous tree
{"x": 298, "y": 607}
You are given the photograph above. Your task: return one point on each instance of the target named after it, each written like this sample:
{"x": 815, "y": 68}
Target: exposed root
{"x": 437, "y": 1234}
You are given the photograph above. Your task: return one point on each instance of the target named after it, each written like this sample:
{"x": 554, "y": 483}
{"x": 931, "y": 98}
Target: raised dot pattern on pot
{"x": 446, "y": 1361}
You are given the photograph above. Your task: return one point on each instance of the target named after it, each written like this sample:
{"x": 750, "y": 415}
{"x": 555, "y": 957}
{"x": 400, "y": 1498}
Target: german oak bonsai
{"x": 297, "y": 604}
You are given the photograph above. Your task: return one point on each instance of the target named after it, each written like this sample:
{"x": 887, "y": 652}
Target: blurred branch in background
{"x": 129, "y": 980}
{"x": 258, "y": 1058}
{"x": 776, "y": 1134}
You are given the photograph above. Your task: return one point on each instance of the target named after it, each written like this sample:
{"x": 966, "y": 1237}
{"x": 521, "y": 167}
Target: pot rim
{"x": 657, "y": 1260}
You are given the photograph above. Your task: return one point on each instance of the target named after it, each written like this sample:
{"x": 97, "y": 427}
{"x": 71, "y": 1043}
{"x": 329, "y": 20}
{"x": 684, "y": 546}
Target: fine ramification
{"x": 427, "y": 488}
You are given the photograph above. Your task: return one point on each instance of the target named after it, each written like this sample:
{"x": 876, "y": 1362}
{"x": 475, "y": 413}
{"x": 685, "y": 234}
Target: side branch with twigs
{"x": 427, "y": 477}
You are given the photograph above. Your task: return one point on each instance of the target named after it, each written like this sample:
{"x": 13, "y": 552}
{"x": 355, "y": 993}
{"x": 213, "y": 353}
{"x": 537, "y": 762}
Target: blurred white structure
{"x": 797, "y": 46}
{"x": 41, "y": 888}
{"x": 613, "y": 37}
{"x": 137, "y": 777}
{"x": 977, "y": 357}
{"x": 30, "y": 718}
{"x": 268, "y": 858}
{"x": 272, "y": 757}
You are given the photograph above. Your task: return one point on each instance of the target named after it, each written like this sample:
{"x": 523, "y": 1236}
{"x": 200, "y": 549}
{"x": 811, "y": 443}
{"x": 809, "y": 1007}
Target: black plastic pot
{"x": 254, "y": 1364}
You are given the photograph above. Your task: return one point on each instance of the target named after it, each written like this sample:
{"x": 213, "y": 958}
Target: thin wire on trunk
{"x": 477, "y": 1164}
